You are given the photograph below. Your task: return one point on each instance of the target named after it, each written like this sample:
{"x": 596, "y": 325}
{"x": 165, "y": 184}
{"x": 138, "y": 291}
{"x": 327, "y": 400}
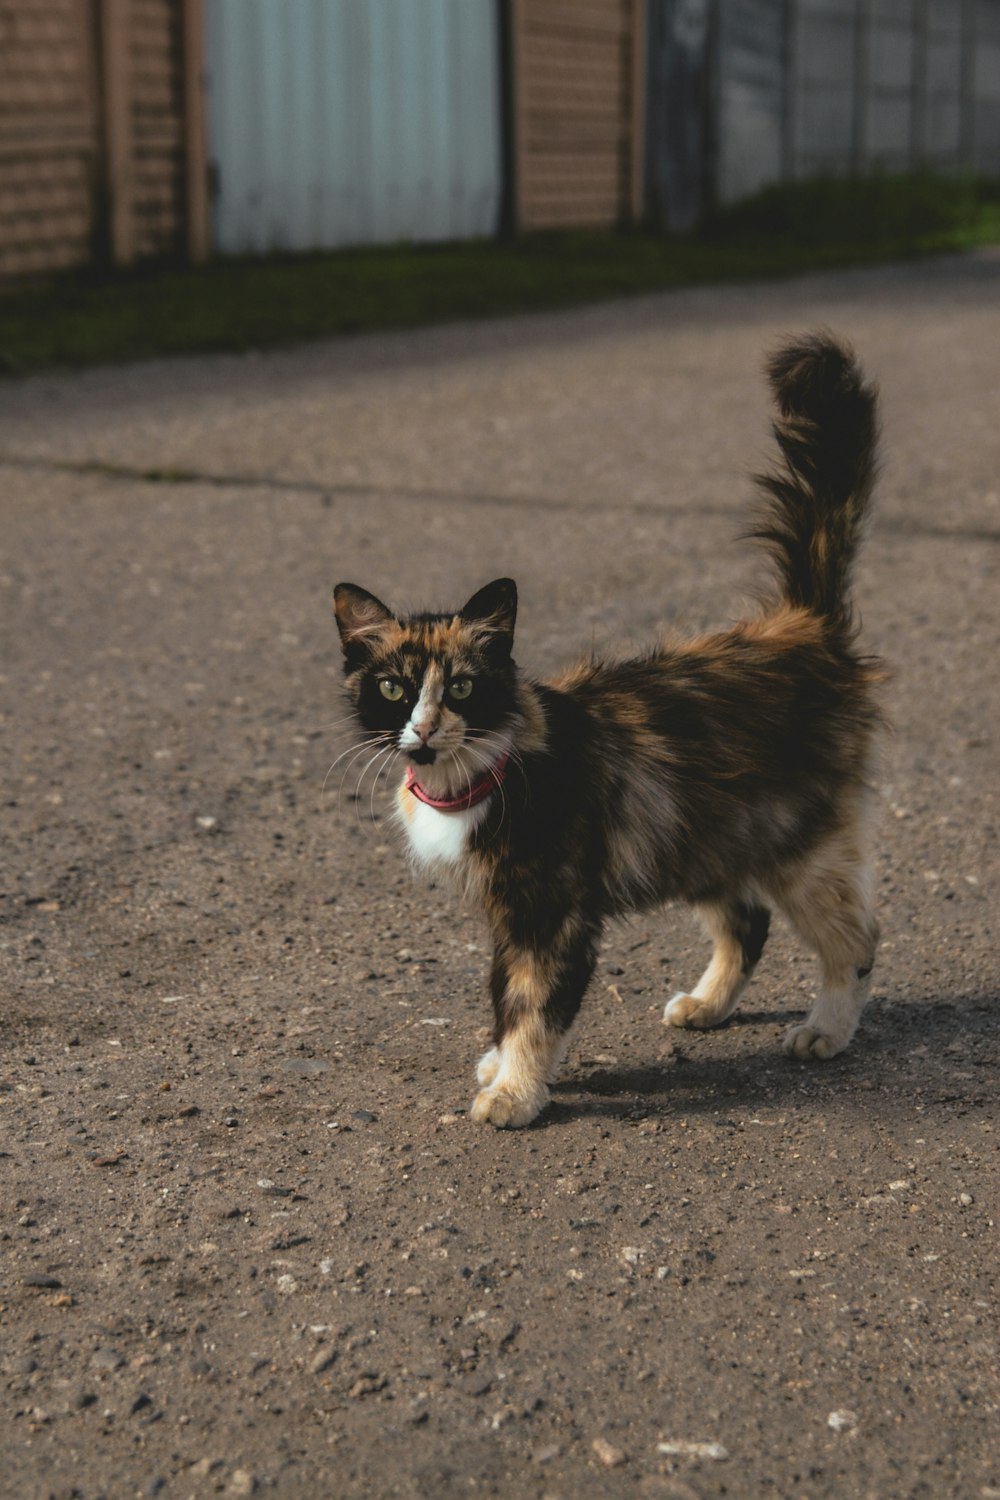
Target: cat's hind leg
{"x": 536, "y": 995}
{"x": 739, "y": 931}
{"x": 830, "y": 904}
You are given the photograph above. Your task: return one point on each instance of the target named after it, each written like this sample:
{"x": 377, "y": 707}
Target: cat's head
{"x": 439, "y": 687}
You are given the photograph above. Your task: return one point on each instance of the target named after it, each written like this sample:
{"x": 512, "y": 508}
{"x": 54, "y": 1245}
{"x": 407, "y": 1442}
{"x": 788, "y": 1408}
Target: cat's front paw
{"x": 507, "y": 1110}
{"x": 688, "y": 1010}
{"x": 806, "y": 1041}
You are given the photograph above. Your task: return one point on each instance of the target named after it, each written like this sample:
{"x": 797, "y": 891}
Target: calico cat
{"x": 732, "y": 771}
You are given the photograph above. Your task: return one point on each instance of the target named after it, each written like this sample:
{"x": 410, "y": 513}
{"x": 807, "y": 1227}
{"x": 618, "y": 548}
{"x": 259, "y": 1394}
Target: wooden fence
{"x": 576, "y": 80}
{"x": 101, "y": 137}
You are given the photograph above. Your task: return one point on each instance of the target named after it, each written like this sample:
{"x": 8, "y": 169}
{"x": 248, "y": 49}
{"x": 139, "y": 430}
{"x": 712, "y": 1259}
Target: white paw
{"x": 488, "y": 1067}
{"x": 688, "y": 1010}
{"x": 807, "y": 1042}
{"x": 506, "y": 1110}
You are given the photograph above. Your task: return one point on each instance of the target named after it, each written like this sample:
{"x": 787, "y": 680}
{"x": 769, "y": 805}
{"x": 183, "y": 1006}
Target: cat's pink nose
{"x": 423, "y": 732}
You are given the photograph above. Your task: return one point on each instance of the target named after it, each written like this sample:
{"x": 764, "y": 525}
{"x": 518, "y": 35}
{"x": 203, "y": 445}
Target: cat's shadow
{"x": 900, "y": 1048}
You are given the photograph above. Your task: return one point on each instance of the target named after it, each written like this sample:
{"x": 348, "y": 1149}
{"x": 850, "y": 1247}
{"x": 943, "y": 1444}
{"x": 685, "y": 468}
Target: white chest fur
{"x": 438, "y": 837}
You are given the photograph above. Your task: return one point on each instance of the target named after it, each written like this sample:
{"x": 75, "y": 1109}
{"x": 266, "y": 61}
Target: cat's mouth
{"x": 423, "y": 755}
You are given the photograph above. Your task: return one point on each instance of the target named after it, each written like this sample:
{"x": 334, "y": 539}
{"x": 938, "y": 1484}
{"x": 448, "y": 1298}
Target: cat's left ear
{"x": 494, "y": 606}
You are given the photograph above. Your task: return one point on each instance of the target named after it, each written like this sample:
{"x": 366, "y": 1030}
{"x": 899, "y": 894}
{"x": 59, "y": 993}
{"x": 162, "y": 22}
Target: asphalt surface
{"x": 250, "y": 1242}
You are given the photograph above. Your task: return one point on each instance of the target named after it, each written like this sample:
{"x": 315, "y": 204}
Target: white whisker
{"x": 358, "y": 750}
{"x": 383, "y": 769}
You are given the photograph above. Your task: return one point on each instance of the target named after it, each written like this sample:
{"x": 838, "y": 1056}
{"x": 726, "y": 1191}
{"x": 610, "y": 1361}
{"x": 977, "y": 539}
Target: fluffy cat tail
{"x": 816, "y": 502}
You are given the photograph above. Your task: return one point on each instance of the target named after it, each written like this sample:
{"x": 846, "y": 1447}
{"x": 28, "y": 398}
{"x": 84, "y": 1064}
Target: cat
{"x": 733, "y": 771}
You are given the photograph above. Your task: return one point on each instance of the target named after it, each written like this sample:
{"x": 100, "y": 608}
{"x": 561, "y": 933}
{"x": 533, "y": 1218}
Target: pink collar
{"x": 488, "y": 782}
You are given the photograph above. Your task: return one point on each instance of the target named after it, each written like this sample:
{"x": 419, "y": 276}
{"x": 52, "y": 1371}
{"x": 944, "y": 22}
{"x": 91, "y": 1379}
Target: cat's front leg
{"x": 536, "y": 995}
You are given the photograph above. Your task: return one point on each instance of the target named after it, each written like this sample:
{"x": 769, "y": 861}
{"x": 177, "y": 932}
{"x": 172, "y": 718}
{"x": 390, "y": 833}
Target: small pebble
{"x": 607, "y": 1453}
{"x": 48, "y": 1283}
{"x": 680, "y": 1448}
{"x": 106, "y": 1359}
{"x": 842, "y": 1420}
{"x": 322, "y": 1361}
{"x": 966, "y": 1200}
{"x": 365, "y": 1115}
{"x": 475, "y": 1385}
{"x": 202, "y": 1467}
{"x": 242, "y": 1483}
{"x": 546, "y": 1453}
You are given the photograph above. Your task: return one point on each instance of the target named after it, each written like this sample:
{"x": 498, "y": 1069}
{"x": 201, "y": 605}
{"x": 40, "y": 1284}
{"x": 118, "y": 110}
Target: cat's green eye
{"x": 460, "y": 688}
{"x": 390, "y": 689}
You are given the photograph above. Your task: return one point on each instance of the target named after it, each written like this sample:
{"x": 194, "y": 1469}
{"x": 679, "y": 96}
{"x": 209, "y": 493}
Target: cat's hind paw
{"x": 807, "y": 1042}
{"x": 688, "y": 1010}
{"x": 506, "y": 1110}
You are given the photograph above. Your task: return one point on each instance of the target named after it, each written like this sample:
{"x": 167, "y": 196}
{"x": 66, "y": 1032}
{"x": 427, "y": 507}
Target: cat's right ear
{"x": 361, "y": 619}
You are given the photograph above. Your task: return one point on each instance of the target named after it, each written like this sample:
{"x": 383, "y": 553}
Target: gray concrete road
{"x": 250, "y": 1242}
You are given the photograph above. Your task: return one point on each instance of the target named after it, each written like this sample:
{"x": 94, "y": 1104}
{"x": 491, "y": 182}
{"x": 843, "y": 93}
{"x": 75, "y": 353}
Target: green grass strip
{"x": 254, "y": 304}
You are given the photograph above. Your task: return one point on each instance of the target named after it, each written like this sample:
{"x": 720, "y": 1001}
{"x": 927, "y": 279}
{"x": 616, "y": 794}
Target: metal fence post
{"x": 195, "y": 147}
{"x": 918, "y": 87}
{"x": 862, "y": 84}
{"x": 790, "y": 90}
{"x": 967, "y": 86}
{"x": 116, "y": 120}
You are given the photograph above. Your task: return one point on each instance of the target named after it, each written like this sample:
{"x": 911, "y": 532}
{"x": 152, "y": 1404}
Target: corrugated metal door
{"x": 345, "y": 122}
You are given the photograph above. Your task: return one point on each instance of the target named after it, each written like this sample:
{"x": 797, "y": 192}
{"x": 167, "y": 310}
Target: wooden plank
{"x": 519, "y": 53}
{"x": 595, "y": 143}
{"x": 636, "y": 186}
{"x": 572, "y": 93}
{"x": 115, "y": 60}
{"x": 552, "y": 200}
{"x": 577, "y": 176}
{"x": 559, "y": 54}
{"x": 572, "y": 216}
{"x": 569, "y": 19}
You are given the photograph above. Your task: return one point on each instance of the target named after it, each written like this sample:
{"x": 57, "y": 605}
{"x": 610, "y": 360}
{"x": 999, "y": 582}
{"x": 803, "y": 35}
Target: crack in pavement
{"x": 359, "y": 490}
